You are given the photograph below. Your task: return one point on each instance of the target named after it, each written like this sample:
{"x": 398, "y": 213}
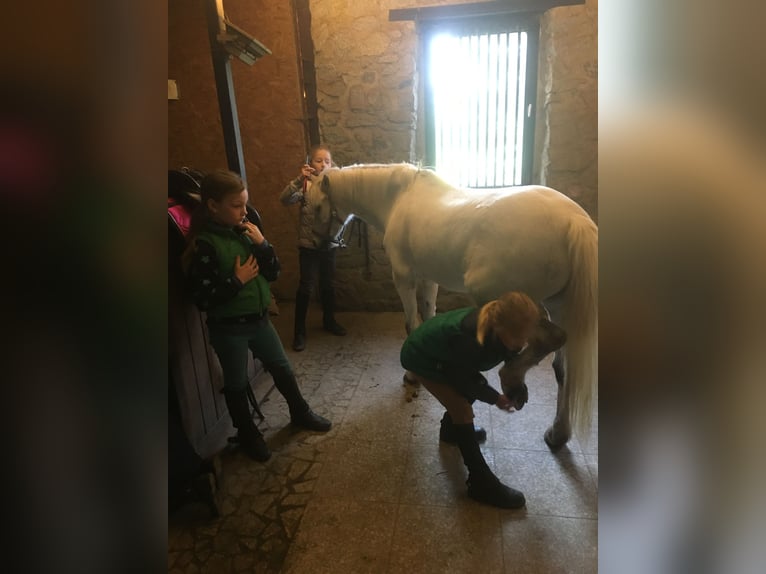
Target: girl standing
{"x": 316, "y": 250}
{"x": 230, "y": 266}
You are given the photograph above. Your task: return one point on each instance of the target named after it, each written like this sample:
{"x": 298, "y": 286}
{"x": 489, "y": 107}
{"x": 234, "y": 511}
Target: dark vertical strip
{"x": 508, "y": 85}
{"x": 499, "y": 121}
{"x": 227, "y": 102}
{"x": 306, "y": 70}
{"x": 483, "y": 154}
{"x": 475, "y": 119}
{"x": 530, "y": 111}
{"x": 519, "y": 106}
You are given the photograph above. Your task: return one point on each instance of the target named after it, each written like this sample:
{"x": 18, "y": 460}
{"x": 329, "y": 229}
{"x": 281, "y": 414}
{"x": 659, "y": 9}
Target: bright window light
{"x": 478, "y": 89}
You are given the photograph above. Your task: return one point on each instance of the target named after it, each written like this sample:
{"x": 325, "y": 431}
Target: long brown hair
{"x": 216, "y": 185}
{"x": 513, "y": 312}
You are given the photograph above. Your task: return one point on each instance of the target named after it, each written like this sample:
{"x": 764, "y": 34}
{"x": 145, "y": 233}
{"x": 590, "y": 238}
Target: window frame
{"x": 527, "y": 11}
{"x": 503, "y": 23}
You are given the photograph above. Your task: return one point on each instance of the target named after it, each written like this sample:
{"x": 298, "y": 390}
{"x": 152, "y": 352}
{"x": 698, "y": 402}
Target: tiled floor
{"x": 379, "y": 493}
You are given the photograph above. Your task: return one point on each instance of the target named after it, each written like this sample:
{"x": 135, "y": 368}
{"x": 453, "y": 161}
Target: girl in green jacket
{"x": 230, "y": 267}
{"x": 447, "y": 353}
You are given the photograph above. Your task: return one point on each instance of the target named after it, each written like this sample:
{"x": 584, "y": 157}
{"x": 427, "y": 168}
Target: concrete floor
{"x": 379, "y": 493}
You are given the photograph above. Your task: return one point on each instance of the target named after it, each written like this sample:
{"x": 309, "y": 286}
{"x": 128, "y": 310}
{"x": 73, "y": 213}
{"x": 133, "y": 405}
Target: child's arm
{"x": 293, "y": 193}
{"x": 296, "y": 189}
{"x": 208, "y": 288}
{"x": 268, "y": 262}
{"x": 473, "y": 385}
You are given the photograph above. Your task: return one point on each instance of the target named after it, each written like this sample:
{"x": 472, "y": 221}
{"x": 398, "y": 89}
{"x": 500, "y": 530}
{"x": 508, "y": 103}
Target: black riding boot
{"x": 248, "y": 435}
{"x": 300, "y": 413}
{"x": 447, "y": 431}
{"x": 328, "y": 314}
{"x": 483, "y": 485}
{"x": 301, "y": 309}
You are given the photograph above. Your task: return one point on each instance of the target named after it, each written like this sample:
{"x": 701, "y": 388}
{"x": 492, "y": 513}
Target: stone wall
{"x": 368, "y": 112}
{"x": 566, "y": 137}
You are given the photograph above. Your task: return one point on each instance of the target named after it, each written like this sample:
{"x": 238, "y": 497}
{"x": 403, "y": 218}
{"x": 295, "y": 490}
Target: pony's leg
{"x": 405, "y": 286}
{"x": 559, "y": 433}
{"x": 546, "y": 338}
{"x": 426, "y": 295}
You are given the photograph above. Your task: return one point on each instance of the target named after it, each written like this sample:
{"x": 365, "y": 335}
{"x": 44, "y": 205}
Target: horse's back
{"x": 483, "y": 241}
{"x": 531, "y": 211}
{"x": 430, "y": 186}
{"x": 527, "y": 197}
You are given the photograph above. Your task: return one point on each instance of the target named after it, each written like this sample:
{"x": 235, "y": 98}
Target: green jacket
{"x": 444, "y": 349}
{"x": 214, "y": 286}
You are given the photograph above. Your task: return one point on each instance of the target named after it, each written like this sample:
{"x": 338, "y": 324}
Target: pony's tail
{"x": 581, "y": 325}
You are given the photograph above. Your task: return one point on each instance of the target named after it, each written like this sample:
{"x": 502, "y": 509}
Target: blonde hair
{"x": 513, "y": 312}
{"x": 315, "y": 148}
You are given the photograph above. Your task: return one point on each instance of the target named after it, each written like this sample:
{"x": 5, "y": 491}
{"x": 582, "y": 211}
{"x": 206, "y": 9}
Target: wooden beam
{"x": 224, "y": 83}
{"x": 477, "y": 10}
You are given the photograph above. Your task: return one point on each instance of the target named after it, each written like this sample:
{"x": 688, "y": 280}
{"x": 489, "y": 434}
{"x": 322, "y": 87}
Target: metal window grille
{"x": 480, "y": 115}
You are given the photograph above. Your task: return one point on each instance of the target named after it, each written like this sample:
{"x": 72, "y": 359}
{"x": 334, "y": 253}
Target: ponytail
{"x": 215, "y": 185}
{"x": 487, "y": 319}
{"x": 512, "y": 312}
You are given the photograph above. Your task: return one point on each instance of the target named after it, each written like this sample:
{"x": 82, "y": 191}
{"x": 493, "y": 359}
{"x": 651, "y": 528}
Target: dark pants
{"x": 316, "y": 263}
{"x": 232, "y": 343}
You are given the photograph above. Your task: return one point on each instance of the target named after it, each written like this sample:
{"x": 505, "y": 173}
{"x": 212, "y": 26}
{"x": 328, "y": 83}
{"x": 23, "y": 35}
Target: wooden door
{"x": 193, "y": 366}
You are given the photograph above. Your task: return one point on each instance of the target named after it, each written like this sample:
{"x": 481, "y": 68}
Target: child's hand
{"x": 252, "y": 231}
{"x": 307, "y": 171}
{"x": 246, "y": 271}
{"x": 504, "y": 403}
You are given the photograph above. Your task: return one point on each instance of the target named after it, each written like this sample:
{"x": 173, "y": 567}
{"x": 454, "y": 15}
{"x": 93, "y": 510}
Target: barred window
{"x": 480, "y": 86}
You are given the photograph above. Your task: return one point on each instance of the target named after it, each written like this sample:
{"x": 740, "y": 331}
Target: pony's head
{"x": 546, "y": 337}
{"x": 322, "y": 184}
{"x": 367, "y": 190}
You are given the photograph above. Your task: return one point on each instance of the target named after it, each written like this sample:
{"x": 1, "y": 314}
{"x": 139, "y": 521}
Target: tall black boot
{"x": 483, "y": 485}
{"x": 300, "y": 413}
{"x": 299, "y": 331}
{"x": 447, "y": 431}
{"x": 249, "y": 437}
{"x": 328, "y": 314}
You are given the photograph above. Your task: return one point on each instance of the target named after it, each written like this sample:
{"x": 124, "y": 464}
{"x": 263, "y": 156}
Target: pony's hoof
{"x": 554, "y": 443}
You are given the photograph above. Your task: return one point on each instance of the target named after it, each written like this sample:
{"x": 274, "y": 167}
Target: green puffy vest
{"x": 255, "y": 296}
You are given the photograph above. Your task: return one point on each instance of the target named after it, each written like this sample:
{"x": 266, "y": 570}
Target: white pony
{"x": 485, "y": 243}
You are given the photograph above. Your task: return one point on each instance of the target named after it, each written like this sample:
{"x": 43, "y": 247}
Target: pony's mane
{"x": 396, "y": 174}
{"x": 379, "y": 166}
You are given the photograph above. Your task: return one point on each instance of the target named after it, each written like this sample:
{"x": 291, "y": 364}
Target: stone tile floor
{"x": 379, "y": 493}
